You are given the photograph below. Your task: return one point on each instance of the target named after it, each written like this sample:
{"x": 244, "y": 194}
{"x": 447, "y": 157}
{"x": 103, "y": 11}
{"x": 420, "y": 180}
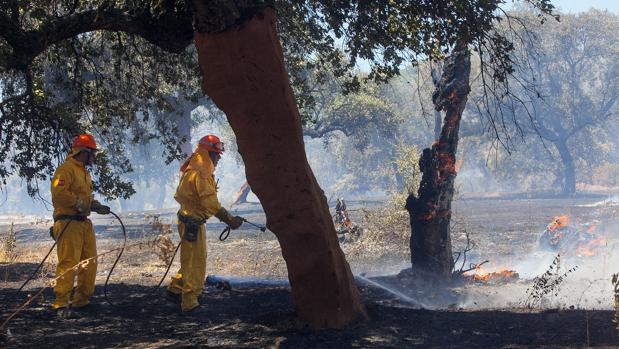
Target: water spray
{"x": 395, "y": 293}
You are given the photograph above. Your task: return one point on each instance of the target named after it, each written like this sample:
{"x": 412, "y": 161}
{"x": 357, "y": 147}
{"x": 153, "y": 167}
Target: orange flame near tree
{"x": 502, "y": 274}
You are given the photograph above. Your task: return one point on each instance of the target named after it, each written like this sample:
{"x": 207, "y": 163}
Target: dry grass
{"x": 164, "y": 247}
{"x": 385, "y": 236}
{"x": 547, "y": 284}
{"x": 8, "y": 246}
{"x": 247, "y": 258}
{"x": 8, "y": 253}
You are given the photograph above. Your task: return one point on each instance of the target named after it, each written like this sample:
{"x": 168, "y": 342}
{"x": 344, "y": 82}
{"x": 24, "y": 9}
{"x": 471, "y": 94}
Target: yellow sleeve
{"x": 207, "y": 193}
{"x": 61, "y": 182}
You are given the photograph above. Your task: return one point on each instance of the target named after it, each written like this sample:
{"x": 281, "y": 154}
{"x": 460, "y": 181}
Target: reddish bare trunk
{"x": 430, "y": 211}
{"x": 244, "y": 74}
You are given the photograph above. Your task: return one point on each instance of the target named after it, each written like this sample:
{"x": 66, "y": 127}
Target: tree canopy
{"x": 72, "y": 66}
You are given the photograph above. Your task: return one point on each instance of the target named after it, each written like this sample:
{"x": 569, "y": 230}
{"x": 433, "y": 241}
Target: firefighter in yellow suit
{"x": 73, "y": 202}
{"x": 197, "y": 195}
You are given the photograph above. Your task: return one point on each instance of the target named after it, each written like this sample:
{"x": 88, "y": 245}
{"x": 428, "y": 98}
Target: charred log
{"x": 430, "y": 210}
{"x": 244, "y": 74}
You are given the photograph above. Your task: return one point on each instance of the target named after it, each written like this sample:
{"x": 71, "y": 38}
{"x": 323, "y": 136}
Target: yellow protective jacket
{"x": 71, "y": 185}
{"x": 197, "y": 192}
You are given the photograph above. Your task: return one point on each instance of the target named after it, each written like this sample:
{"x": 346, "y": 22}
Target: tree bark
{"x": 569, "y": 172}
{"x": 436, "y": 74}
{"x": 244, "y": 74}
{"x": 430, "y": 210}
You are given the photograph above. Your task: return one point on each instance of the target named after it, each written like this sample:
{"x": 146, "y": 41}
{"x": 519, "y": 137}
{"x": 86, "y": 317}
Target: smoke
{"x": 585, "y": 280}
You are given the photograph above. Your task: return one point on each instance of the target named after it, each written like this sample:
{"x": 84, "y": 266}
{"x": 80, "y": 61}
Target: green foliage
{"x": 359, "y": 115}
{"x": 72, "y": 66}
{"x": 607, "y": 174}
{"x": 407, "y": 165}
{"x": 8, "y": 246}
{"x": 567, "y": 95}
{"x": 386, "y": 233}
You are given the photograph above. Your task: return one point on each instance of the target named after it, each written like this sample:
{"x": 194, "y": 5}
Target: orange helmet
{"x": 85, "y": 141}
{"x": 211, "y": 143}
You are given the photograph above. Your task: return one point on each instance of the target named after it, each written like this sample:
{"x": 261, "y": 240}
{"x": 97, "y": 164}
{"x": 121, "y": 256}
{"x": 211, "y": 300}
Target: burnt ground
{"x": 261, "y": 314}
{"x": 264, "y": 317}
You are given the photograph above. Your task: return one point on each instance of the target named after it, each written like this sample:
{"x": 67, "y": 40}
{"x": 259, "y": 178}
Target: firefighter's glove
{"x": 81, "y": 206}
{"x": 234, "y": 222}
{"x": 96, "y": 206}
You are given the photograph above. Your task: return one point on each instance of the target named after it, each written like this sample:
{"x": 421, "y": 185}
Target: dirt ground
{"x": 258, "y": 311}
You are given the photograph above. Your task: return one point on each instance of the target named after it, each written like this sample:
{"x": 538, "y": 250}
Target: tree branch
{"x": 172, "y": 31}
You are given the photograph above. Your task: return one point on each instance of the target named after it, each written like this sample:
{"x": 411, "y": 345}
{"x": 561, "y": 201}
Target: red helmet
{"x": 211, "y": 143}
{"x": 85, "y": 141}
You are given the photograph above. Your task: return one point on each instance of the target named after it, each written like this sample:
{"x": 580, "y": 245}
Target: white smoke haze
{"x": 587, "y": 287}
{"x": 503, "y": 223}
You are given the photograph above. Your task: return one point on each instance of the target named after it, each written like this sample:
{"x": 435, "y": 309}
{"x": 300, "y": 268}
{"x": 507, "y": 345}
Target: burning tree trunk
{"x": 240, "y": 197}
{"x": 430, "y": 211}
{"x": 244, "y": 74}
{"x": 438, "y": 120}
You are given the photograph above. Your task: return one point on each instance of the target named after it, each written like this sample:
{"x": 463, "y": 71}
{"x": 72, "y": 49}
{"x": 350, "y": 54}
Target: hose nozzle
{"x": 261, "y": 227}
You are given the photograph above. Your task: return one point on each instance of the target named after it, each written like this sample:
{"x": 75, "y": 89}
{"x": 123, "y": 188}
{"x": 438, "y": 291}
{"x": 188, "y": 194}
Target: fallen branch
{"x": 472, "y": 267}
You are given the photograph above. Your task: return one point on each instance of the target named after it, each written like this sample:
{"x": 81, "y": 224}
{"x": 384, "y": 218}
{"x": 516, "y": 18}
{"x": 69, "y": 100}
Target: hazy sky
{"x": 571, "y": 6}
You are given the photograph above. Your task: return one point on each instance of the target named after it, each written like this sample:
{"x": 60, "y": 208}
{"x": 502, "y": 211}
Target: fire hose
{"x": 43, "y": 261}
{"x": 223, "y": 236}
{"x": 226, "y": 232}
{"x": 168, "y": 268}
{"x": 56, "y": 242}
{"x": 122, "y": 249}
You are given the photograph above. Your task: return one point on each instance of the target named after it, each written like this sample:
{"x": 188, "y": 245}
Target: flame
{"x": 592, "y": 227}
{"x": 501, "y": 274}
{"x": 558, "y": 222}
{"x": 590, "y": 248}
{"x": 459, "y": 164}
{"x": 481, "y": 274}
{"x": 453, "y": 96}
{"x": 426, "y": 217}
{"x": 447, "y": 164}
{"x": 588, "y": 240}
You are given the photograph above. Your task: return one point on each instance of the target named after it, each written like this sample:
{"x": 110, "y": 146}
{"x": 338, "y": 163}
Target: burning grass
{"x": 501, "y": 276}
{"x": 572, "y": 238}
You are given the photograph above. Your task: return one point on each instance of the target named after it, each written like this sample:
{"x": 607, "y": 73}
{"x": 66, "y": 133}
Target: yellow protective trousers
{"x": 76, "y": 244}
{"x": 189, "y": 281}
